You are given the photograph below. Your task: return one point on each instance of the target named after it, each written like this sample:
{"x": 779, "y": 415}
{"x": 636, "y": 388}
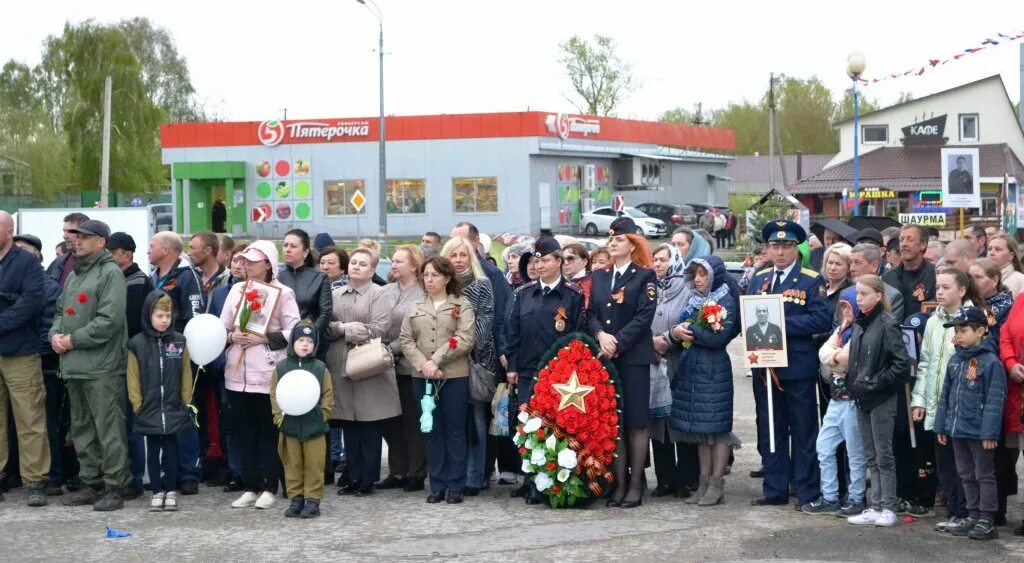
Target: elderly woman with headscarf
{"x": 510, "y": 256}
{"x": 674, "y": 460}
{"x": 702, "y": 390}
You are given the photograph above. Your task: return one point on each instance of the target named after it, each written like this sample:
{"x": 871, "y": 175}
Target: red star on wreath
{"x": 752, "y": 358}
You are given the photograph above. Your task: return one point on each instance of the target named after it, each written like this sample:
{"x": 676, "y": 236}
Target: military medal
{"x": 919, "y": 292}
{"x": 560, "y": 317}
{"x": 619, "y": 295}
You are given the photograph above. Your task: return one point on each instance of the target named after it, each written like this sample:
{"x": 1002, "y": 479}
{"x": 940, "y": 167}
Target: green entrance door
{"x": 200, "y": 186}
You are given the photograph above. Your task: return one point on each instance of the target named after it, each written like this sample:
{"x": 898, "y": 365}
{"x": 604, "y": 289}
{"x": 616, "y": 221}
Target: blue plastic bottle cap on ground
{"x": 117, "y": 534}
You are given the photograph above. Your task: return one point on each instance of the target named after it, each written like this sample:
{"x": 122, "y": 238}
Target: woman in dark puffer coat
{"x": 702, "y": 390}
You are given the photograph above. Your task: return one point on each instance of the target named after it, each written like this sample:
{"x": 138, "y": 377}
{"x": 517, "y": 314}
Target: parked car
{"x": 673, "y": 214}
{"x": 702, "y": 208}
{"x": 161, "y": 217}
{"x": 599, "y": 221}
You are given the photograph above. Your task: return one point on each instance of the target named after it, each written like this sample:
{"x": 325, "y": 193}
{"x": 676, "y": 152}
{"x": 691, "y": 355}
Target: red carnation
{"x": 540, "y": 433}
{"x": 551, "y": 466}
{"x": 70, "y": 311}
{"x": 256, "y": 305}
{"x": 83, "y": 298}
{"x": 520, "y": 430}
{"x": 453, "y": 343}
{"x": 556, "y": 489}
{"x": 455, "y": 313}
{"x": 522, "y": 450}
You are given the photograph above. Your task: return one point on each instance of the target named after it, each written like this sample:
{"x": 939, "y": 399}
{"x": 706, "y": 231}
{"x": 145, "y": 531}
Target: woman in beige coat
{"x": 437, "y": 337}
{"x": 361, "y": 311}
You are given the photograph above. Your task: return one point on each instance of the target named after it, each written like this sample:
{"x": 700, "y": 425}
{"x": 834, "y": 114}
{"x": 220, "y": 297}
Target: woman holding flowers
{"x": 249, "y": 365}
{"x": 437, "y": 338}
{"x": 702, "y": 389}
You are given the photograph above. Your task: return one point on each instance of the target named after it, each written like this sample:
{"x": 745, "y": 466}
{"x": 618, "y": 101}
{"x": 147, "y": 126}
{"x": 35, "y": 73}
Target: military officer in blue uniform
{"x": 794, "y": 387}
{"x": 623, "y": 300}
{"x": 542, "y": 311}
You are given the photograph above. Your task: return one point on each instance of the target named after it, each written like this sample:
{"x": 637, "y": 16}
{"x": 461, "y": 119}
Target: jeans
{"x": 447, "y": 443}
{"x": 168, "y": 445}
{"x": 977, "y": 470}
{"x": 876, "y": 435}
{"x": 945, "y": 462}
{"x": 337, "y": 444}
{"x": 475, "y": 473}
{"x": 188, "y": 455}
{"x": 838, "y": 426}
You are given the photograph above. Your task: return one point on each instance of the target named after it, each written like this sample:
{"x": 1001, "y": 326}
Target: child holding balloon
{"x": 160, "y": 389}
{"x": 297, "y": 383}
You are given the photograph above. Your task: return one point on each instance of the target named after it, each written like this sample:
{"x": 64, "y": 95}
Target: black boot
{"x": 296, "y": 507}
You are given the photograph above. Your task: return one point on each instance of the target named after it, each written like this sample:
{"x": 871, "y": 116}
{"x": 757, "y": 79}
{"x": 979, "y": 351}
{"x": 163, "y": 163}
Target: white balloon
{"x": 205, "y": 337}
{"x": 297, "y": 392}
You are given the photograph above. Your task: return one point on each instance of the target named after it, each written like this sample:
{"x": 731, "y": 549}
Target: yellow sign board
{"x": 877, "y": 193}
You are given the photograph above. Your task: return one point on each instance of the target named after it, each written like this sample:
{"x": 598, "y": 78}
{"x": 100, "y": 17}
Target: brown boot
{"x": 715, "y": 494}
{"x": 702, "y": 487}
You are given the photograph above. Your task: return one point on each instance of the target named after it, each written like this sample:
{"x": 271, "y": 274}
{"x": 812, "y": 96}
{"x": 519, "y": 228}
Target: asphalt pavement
{"x": 395, "y": 525}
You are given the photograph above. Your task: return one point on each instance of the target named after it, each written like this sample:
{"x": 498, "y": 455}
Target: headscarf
{"x": 670, "y": 286}
{"x": 695, "y": 298}
{"x": 699, "y": 248}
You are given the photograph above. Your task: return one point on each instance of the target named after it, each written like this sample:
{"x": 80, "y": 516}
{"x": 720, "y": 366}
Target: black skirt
{"x": 635, "y": 382}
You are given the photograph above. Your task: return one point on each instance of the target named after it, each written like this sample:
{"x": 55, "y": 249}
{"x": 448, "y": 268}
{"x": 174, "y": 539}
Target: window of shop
{"x": 338, "y": 196}
{"x": 407, "y": 196}
{"x": 893, "y": 207}
{"x": 969, "y": 127}
{"x": 475, "y": 195}
{"x": 988, "y": 206}
{"x": 874, "y": 134}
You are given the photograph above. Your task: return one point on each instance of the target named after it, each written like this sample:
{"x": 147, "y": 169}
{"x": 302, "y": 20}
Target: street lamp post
{"x": 382, "y": 180}
{"x": 855, "y": 65}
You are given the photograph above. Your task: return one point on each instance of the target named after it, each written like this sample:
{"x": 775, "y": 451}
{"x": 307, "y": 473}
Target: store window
{"x": 475, "y": 195}
{"x": 893, "y": 207}
{"x": 874, "y": 134}
{"x": 338, "y": 196}
{"x": 969, "y": 127}
{"x": 407, "y": 196}
{"x": 988, "y": 206}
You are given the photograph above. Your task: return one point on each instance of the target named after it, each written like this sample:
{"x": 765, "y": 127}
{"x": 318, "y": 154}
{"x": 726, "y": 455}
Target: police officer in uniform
{"x": 794, "y": 387}
{"x": 623, "y": 300}
{"x": 542, "y": 311}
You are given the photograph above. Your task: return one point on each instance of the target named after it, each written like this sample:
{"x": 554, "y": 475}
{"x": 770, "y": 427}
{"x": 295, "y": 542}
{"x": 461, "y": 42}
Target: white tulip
{"x": 523, "y": 417}
{"x": 563, "y": 475}
{"x": 551, "y": 442}
{"x": 532, "y": 425}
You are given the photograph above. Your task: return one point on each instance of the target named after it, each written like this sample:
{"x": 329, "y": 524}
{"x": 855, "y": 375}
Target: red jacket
{"x": 1011, "y": 341}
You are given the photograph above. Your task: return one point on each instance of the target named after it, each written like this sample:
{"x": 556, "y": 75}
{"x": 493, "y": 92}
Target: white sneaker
{"x": 266, "y": 500}
{"x": 157, "y": 504}
{"x": 171, "y": 501}
{"x": 887, "y": 518}
{"x": 245, "y": 501}
{"x": 869, "y": 516}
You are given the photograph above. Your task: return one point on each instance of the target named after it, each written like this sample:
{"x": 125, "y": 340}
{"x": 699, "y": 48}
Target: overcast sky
{"x": 317, "y": 59}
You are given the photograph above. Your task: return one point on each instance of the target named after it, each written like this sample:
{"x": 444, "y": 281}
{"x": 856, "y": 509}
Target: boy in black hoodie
{"x": 301, "y": 442}
{"x": 160, "y": 387}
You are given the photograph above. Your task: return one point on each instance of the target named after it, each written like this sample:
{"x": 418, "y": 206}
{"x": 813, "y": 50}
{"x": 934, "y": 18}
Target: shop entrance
{"x": 210, "y": 196}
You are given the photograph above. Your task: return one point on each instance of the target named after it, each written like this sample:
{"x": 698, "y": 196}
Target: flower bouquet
{"x": 711, "y": 316}
{"x": 568, "y": 432}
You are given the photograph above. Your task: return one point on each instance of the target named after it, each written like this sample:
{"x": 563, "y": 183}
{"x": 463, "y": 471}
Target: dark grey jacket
{"x": 312, "y": 294}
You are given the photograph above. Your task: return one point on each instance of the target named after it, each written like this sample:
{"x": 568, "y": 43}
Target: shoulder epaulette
{"x": 809, "y": 272}
{"x": 574, "y": 287}
{"x": 764, "y": 271}
{"x": 525, "y": 285}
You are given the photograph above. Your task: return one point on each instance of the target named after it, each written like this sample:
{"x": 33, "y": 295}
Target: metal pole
{"x": 856, "y": 150}
{"x": 383, "y": 180}
{"x": 105, "y": 164}
{"x": 771, "y": 133}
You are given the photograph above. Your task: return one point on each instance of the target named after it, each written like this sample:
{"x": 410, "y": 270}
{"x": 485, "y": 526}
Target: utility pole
{"x": 105, "y": 164}
{"x": 771, "y": 132}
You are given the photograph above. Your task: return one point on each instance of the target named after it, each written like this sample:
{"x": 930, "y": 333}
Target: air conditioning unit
{"x": 589, "y": 178}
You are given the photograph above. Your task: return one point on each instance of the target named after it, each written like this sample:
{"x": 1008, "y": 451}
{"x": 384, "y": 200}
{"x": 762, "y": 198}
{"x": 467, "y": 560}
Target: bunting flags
{"x": 987, "y": 43}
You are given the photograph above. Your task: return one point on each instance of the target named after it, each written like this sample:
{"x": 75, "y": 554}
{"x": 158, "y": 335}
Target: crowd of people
{"x": 99, "y": 390}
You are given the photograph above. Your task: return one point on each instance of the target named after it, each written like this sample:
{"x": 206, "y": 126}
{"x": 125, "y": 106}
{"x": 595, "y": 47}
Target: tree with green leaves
{"x": 599, "y": 77}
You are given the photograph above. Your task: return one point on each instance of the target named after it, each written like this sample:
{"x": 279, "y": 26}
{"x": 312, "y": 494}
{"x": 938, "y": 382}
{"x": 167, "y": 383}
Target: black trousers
{"x": 363, "y": 451}
{"x": 257, "y": 436}
{"x": 166, "y": 444}
{"x": 407, "y": 451}
{"x": 63, "y": 461}
{"x": 945, "y": 462}
{"x": 1006, "y": 474}
{"x": 916, "y": 479}
{"x": 675, "y": 464}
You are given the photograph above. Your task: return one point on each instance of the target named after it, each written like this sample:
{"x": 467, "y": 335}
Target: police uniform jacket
{"x": 625, "y": 312}
{"x": 536, "y": 321}
{"x": 806, "y": 315}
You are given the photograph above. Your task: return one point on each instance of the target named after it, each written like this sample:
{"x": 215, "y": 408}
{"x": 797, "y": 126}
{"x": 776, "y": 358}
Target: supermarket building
{"x": 523, "y": 171}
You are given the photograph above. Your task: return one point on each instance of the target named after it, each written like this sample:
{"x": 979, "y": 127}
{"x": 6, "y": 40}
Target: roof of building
{"x": 753, "y": 172}
{"x": 929, "y": 96}
{"x": 905, "y": 169}
{"x": 460, "y": 126}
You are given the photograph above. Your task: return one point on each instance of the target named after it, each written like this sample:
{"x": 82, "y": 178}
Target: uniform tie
{"x": 778, "y": 280}
{"x": 547, "y": 290}
{"x": 615, "y": 279}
